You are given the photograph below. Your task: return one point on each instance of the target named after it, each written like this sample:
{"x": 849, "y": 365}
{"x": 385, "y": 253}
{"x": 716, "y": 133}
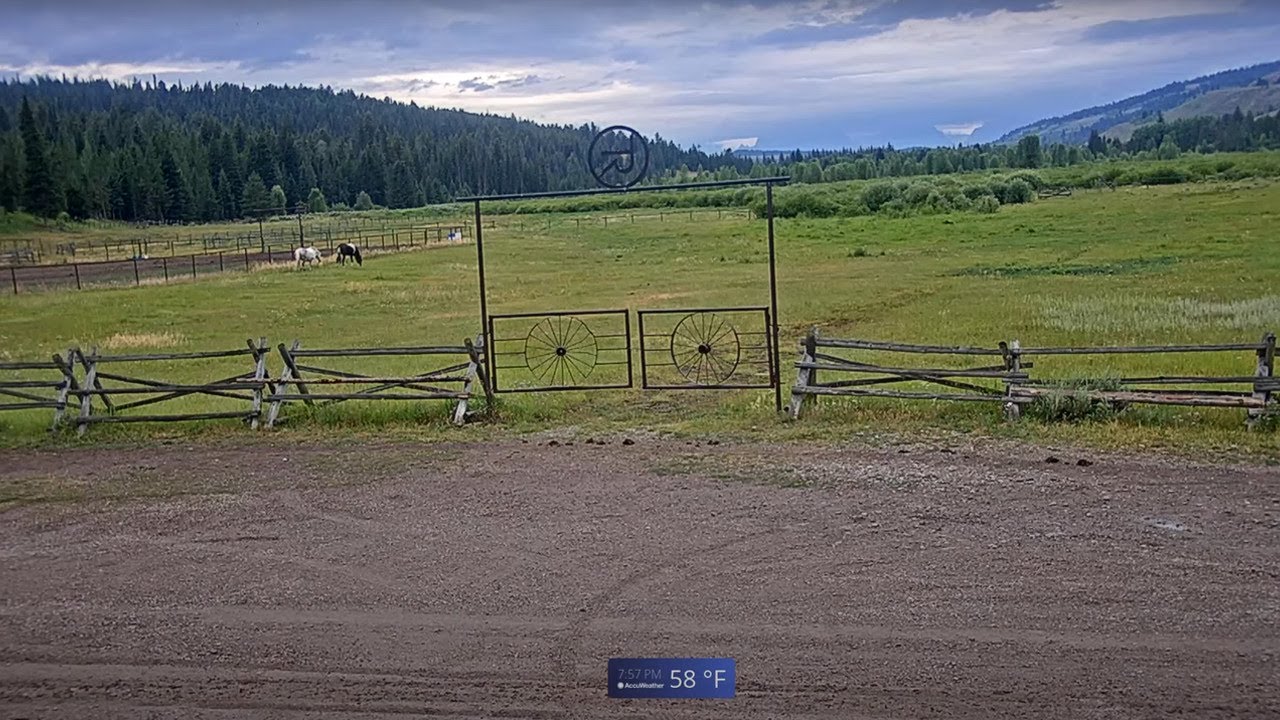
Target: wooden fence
{"x": 247, "y": 386}
{"x": 37, "y": 384}
{"x": 330, "y": 386}
{"x": 147, "y": 269}
{"x": 1005, "y": 379}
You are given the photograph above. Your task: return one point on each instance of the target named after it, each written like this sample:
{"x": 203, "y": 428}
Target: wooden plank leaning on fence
{"x": 26, "y": 391}
{"x": 247, "y": 386}
{"x": 424, "y": 386}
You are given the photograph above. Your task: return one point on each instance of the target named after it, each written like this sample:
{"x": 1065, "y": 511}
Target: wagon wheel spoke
{"x": 705, "y": 348}
{"x": 560, "y": 350}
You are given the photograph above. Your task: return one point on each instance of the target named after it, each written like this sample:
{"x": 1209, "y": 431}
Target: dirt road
{"x": 470, "y": 581}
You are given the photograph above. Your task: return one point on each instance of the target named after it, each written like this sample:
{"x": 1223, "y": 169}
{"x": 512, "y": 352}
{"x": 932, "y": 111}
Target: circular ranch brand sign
{"x": 618, "y": 157}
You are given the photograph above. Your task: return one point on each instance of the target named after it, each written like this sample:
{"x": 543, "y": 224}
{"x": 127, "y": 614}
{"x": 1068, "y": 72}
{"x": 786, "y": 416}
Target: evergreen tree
{"x": 10, "y": 176}
{"x": 363, "y": 201}
{"x": 177, "y": 194}
{"x": 402, "y": 190}
{"x": 1028, "y": 153}
{"x": 40, "y": 196}
{"x": 1096, "y": 144}
{"x": 255, "y": 200}
{"x": 228, "y": 207}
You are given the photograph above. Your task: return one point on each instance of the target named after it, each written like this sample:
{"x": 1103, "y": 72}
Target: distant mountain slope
{"x": 1255, "y": 88}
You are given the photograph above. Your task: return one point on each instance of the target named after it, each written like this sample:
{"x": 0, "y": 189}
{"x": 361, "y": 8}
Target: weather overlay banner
{"x": 672, "y": 677}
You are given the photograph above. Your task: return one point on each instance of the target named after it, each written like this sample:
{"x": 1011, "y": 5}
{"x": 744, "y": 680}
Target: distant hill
{"x": 1253, "y": 89}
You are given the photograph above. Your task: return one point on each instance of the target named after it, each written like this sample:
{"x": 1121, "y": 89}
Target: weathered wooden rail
{"x": 36, "y": 384}
{"x": 1009, "y": 383}
{"x": 248, "y": 386}
{"x": 464, "y": 366}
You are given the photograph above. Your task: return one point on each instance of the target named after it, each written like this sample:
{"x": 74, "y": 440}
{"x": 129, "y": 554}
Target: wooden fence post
{"x": 804, "y": 376}
{"x": 289, "y": 375}
{"x": 90, "y": 382}
{"x": 260, "y": 351}
{"x": 76, "y": 268}
{"x": 1265, "y": 370}
{"x": 1012, "y": 352}
{"x": 473, "y": 372}
{"x": 68, "y": 384}
{"x": 95, "y": 384}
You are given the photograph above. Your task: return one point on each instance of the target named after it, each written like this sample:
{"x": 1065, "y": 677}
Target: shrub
{"x": 917, "y": 193}
{"x": 1163, "y": 175}
{"x": 986, "y": 204}
{"x": 1030, "y": 178}
{"x": 877, "y": 195}
{"x": 999, "y": 188}
{"x": 1018, "y": 191}
{"x": 895, "y": 208}
{"x": 936, "y": 202}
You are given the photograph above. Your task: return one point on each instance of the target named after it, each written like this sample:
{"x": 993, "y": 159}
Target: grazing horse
{"x": 347, "y": 250}
{"x": 306, "y": 256}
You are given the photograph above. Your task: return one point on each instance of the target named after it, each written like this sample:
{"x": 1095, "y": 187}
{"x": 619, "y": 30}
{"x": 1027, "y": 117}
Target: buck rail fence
{"x": 1005, "y": 379}
{"x": 35, "y": 384}
{"x": 246, "y": 387}
{"x": 464, "y": 366}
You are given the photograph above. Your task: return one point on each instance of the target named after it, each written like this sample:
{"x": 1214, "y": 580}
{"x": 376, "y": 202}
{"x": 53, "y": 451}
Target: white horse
{"x": 306, "y": 256}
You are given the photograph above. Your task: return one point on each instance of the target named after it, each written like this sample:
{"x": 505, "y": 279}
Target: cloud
{"x": 735, "y": 143}
{"x": 475, "y": 84}
{"x": 958, "y": 129}
{"x": 789, "y": 73}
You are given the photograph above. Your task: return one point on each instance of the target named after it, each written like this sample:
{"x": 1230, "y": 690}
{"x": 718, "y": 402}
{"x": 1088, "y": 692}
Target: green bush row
{"x": 983, "y": 191}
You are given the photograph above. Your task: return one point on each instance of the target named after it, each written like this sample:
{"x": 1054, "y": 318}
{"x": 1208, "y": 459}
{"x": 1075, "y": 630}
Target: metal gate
{"x": 540, "y": 352}
{"x": 726, "y": 348}
{"x": 717, "y": 348}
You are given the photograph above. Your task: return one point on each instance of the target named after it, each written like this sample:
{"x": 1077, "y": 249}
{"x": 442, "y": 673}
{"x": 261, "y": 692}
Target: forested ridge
{"x": 169, "y": 153}
{"x": 151, "y": 151}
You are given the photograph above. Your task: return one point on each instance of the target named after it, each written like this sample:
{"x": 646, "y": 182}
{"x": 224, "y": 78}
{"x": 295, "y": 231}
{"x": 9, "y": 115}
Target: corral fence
{"x": 112, "y": 389}
{"x": 829, "y": 367}
{"x": 462, "y": 365}
{"x": 142, "y": 268}
{"x": 21, "y": 251}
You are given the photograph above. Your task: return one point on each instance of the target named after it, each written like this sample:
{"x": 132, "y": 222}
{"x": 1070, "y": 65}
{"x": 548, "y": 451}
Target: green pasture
{"x": 1137, "y": 265}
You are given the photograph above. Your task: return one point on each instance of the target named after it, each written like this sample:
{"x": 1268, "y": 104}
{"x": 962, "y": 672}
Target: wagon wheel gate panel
{"x": 713, "y": 348}
{"x": 539, "y": 352}
{"x": 706, "y": 349}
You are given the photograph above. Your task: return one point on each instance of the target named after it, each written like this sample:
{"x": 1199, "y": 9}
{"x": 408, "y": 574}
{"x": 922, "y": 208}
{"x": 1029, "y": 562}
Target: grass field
{"x": 1140, "y": 265}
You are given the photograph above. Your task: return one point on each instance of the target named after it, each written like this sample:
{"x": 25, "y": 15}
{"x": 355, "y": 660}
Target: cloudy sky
{"x": 770, "y": 74}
